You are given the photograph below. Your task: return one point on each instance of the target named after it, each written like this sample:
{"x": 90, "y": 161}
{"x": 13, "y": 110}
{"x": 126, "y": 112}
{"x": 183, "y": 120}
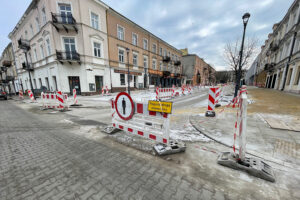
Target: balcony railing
{"x": 24, "y": 44}
{"x": 166, "y": 59}
{"x": 6, "y": 63}
{"x": 24, "y": 66}
{"x": 269, "y": 67}
{"x": 68, "y": 56}
{"x": 62, "y": 21}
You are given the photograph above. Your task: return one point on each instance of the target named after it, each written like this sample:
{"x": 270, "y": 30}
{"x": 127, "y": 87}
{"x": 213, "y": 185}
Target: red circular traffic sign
{"x": 124, "y": 106}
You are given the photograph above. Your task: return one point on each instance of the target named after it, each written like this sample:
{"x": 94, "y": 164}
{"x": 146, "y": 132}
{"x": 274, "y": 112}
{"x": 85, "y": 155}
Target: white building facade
{"x": 68, "y": 46}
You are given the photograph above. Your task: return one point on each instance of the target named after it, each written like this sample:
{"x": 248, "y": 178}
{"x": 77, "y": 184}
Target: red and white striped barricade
{"x": 135, "y": 118}
{"x": 103, "y": 90}
{"x": 75, "y": 100}
{"x": 173, "y": 91}
{"x": 62, "y": 100}
{"x": 30, "y": 94}
{"x": 183, "y": 90}
{"x": 254, "y": 166}
{"x": 107, "y": 91}
{"x": 49, "y": 101}
{"x": 21, "y": 96}
{"x": 211, "y": 102}
{"x": 163, "y": 93}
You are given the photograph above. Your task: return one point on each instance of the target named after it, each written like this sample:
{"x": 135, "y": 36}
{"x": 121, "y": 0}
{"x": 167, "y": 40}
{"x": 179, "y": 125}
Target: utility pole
{"x": 128, "y": 80}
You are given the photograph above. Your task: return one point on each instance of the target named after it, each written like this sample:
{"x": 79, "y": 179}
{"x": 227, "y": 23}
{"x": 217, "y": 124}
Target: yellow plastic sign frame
{"x": 160, "y": 106}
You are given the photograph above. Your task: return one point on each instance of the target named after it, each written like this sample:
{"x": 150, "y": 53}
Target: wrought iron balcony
{"x": 178, "y": 62}
{"x": 166, "y": 59}
{"x": 24, "y": 44}
{"x": 68, "y": 56}
{"x": 65, "y": 22}
{"x": 25, "y": 67}
{"x": 269, "y": 67}
{"x": 6, "y": 63}
{"x": 274, "y": 46}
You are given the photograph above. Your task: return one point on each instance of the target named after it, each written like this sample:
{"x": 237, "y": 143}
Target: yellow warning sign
{"x": 159, "y": 106}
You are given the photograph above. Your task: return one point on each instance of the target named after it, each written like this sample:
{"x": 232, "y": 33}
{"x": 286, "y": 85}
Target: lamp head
{"x": 245, "y": 18}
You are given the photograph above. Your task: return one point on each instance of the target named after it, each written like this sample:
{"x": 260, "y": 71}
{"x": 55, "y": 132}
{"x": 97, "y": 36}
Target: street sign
{"x": 124, "y": 106}
{"x": 160, "y": 106}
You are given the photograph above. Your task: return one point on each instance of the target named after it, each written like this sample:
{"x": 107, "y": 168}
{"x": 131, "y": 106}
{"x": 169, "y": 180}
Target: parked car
{"x": 3, "y": 95}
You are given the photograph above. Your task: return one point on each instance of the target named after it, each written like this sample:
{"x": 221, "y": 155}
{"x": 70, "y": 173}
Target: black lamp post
{"x": 127, "y": 50}
{"x": 245, "y": 18}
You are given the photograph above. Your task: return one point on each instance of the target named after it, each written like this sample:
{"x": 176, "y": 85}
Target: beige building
{"x": 8, "y": 74}
{"x": 67, "y": 42}
{"x": 152, "y": 61}
{"x": 279, "y": 60}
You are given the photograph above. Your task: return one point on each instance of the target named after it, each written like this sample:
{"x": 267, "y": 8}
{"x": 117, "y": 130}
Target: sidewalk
{"x": 274, "y": 145}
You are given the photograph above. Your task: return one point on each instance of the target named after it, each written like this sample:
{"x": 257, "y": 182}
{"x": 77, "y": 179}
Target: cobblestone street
{"x": 43, "y": 160}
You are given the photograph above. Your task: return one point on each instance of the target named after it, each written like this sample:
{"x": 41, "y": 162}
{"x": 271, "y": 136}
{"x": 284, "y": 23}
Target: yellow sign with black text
{"x": 159, "y": 106}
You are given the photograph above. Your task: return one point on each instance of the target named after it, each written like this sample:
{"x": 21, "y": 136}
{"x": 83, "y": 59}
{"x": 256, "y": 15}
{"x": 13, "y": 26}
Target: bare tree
{"x": 232, "y": 53}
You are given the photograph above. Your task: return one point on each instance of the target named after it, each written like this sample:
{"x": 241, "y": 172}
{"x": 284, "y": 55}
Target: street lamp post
{"x": 128, "y": 80}
{"x": 245, "y": 18}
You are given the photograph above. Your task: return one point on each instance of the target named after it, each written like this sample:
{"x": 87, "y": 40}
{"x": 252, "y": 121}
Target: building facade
{"x": 151, "y": 60}
{"x": 67, "y": 46}
{"x": 279, "y": 62}
{"x": 8, "y": 74}
{"x": 197, "y": 71}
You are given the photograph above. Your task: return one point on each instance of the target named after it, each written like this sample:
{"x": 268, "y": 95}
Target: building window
{"x": 66, "y": 13}
{"x": 44, "y": 17}
{"x": 122, "y": 79}
{"x": 97, "y": 49}
{"x": 145, "y": 62}
{"x": 135, "y": 60}
{"x": 120, "y": 32}
{"x": 34, "y": 82}
{"x": 47, "y": 83}
{"x": 35, "y": 55}
{"x": 160, "y": 66}
{"x": 134, "y": 39}
{"x": 32, "y": 31}
{"x": 26, "y": 35}
{"x": 69, "y": 44}
{"x": 42, "y": 51}
{"x": 154, "y": 48}
{"x": 121, "y": 56}
{"x": 153, "y": 64}
{"x": 289, "y": 77}
{"x": 160, "y": 51}
{"x": 95, "y": 21}
{"x": 41, "y": 83}
{"x": 48, "y": 46}
{"x": 145, "y": 44}
{"x": 297, "y": 79}
{"x": 172, "y": 56}
{"x": 37, "y": 21}
{"x": 165, "y": 53}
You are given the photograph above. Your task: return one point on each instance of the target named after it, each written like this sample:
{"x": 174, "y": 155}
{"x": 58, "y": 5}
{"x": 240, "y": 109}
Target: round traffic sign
{"x": 124, "y": 106}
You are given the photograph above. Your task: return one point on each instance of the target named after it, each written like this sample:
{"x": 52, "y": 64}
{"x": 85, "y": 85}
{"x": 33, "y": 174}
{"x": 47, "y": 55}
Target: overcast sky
{"x": 202, "y": 26}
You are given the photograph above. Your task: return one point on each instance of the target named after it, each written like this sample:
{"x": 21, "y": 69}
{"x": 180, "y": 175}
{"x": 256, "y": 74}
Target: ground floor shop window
{"x": 122, "y": 79}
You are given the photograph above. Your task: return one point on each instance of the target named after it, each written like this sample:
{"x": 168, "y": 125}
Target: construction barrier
{"x": 55, "y": 101}
{"x": 163, "y": 93}
{"x": 30, "y": 94}
{"x": 75, "y": 101}
{"x": 211, "y": 102}
{"x": 135, "y": 118}
{"x": 21, "y": 96}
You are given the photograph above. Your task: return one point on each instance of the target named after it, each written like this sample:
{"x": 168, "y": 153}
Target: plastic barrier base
{"x": 210, "y": 113}
{"x": 252, "y": 166}
{"x": 110, "y": 130}
{"x": 174, "y": 147}
{"x": 76, "y": 105}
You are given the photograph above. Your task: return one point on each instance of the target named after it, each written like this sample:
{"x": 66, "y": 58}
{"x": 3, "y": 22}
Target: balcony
{"x": 177, "y": 63}
{"x": 24, "y": 66}
{"x": 269, "y": 67}
{"x": 274, "y": 46}
{"x": 6, "y": 63}
{"x": 64, "y": 22}
{"x": 24, "y": 44}
{"x": 166, "y": 59}
{"x": 68, "y": 56}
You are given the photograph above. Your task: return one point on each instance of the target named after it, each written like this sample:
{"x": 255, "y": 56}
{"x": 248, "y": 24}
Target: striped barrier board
{"x": 211, "y": 102}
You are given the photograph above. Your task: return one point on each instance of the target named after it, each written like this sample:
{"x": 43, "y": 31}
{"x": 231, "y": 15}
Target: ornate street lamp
{"x": 128, "y": 81}
{"x": 245, "y": 18}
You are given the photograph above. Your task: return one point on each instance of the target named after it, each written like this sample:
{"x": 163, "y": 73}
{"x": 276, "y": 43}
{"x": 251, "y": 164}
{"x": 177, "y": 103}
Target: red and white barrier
{"x": 30, "y": 94}
{"x": 211, "y": 102}
{"x": 103, "y": 90}
{"x": 55, "y": 101}
{"x": 173, "y": 91}
{"x": 144, "y": 123}
{"x": 75, "y": 100}
{"x": 21, "y": 96}
{"x": 107, "y": 90}
{"x": 163, "y": 93}
{"x": 182, "y": 89}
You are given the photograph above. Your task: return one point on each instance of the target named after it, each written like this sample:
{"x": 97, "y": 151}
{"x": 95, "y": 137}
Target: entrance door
{"x": 274, "y": 80}
{"x": 99, "y": 83}
{"x": 74, "y": 82}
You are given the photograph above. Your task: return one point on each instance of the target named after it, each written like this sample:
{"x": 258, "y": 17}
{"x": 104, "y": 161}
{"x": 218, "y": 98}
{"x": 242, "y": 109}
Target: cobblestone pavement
{"x": 41, "y": 159}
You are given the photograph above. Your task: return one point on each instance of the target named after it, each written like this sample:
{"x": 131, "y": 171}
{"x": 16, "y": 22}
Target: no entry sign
{"x": 124, "y": 106}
